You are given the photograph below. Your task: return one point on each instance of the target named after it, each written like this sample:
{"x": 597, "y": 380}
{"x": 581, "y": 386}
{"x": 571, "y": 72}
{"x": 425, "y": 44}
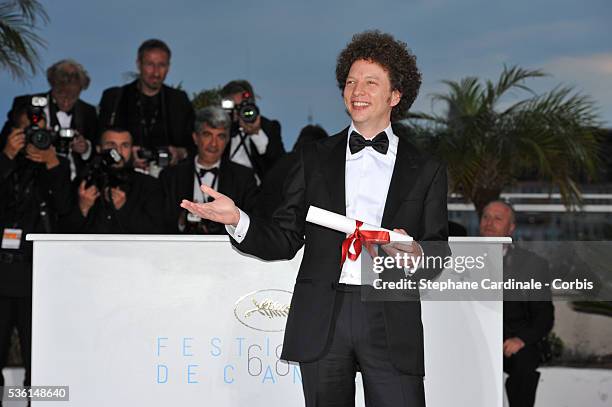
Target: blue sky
{"x": 287, "y": 49}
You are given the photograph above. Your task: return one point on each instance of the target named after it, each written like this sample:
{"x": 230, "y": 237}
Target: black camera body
{"x": 41, "y": 137}
{"x": 246, "y": 110}
{"x": 161, "y": 156}
{"x": 102, "y": 173}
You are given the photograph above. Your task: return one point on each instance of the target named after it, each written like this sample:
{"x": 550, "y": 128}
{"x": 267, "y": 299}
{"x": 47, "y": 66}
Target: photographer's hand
{"x": 119, "y": 197}
{"x": 222, "y": 209}
{"x": 87, "y": 197}
{"x": 139, "y": 162}
{"x": 47, "y": 157}
{"x": 251, "y": 128}
{"x": 177, "y": 154}
{"x": 14, "y": 143}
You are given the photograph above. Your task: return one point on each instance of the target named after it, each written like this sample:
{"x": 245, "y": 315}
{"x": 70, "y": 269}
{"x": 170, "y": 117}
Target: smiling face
{"x": 153, "y": 69}
{"x": 210, "y": 142}
{"x": 368, "y": 97}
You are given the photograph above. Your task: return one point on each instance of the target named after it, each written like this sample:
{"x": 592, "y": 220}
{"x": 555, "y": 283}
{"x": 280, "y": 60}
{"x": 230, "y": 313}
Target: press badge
{"x": 11, "y": 238}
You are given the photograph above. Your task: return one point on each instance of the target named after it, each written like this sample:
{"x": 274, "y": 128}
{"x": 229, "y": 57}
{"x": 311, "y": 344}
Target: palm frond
{"x": 19, "y": 42}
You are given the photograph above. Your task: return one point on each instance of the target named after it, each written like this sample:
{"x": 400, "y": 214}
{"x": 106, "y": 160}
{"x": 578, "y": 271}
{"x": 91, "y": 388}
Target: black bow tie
{"x": 379, "y": 143}
{"x": 214, "y": 171}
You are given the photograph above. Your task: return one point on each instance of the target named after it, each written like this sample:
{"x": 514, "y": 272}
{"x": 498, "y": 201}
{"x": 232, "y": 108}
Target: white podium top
{"x": 204, "y": 238}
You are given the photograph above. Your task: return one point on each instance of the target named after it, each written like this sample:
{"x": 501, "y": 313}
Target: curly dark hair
{"x": 393, "y": 55}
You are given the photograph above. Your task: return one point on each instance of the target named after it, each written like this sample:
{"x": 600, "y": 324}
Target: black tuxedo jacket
{"x": 275, "y": 149}
{"x": 118, "y": 108}
{"x": 235, "y": 181}
{"x": 85, "y": 120}
{"x": 416, "y": 202}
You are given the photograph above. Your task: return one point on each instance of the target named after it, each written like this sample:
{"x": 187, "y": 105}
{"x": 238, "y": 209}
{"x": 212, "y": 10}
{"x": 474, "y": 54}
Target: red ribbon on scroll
{"x": 360, "y": 237}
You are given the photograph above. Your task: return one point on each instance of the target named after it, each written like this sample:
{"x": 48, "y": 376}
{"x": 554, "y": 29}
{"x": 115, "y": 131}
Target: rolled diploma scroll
{"x": 346, "y": 225}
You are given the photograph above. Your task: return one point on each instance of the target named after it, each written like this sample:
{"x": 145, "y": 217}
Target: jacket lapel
{"x": 185, "y": 186}
{"x": 225, "y": 179}
{"x": 403, "y": 179}
{"x": 334, "y": 169}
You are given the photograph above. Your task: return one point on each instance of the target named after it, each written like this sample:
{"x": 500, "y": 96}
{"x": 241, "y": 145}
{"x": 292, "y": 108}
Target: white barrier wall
{"x": 173, "y": 320}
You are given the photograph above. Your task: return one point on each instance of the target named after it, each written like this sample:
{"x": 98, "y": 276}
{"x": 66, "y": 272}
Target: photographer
{"x": 159, "y": 117}
{"x": 110, "y": 196}
{"x": 255, "y": 140}
{"x": 183, "y": 181}
{"x": 34, "y": 190}
{"x": 64, "y": 111}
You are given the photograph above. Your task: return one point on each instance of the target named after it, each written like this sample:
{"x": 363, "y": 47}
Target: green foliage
{"x": 18, "y": 40}
{"x": 206, "y": 97}
{"x": 488, "y": 146}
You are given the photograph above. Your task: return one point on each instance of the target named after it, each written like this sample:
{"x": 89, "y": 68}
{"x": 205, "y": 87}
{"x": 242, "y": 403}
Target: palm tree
{"x": 207, "y": 97}
{"x": 18, "y": 41}
{"x": 488, "y": 146}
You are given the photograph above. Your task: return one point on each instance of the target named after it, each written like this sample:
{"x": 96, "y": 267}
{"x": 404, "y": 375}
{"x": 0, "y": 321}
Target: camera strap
{"x": 244, "y": 138}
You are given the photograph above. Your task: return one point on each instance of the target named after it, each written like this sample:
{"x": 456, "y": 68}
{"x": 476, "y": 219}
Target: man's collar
{"x": 388, "y": 130}
{"x": 200, "y": 166}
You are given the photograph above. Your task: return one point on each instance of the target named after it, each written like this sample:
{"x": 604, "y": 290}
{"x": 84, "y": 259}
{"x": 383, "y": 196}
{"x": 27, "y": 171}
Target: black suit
{"x": 235, "y": 181}
{"x": 416, "y": 202}
{"x": 84, "y": 119}
{"x": 141, "y": 213}
{"x": 528, "y": 315}
{"x": 262, "y": 163}
{"x": 119, "y": 107}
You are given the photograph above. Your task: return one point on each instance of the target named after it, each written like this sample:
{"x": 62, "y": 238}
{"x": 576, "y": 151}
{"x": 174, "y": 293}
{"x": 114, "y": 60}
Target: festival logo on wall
{"x": 264, "y": 310}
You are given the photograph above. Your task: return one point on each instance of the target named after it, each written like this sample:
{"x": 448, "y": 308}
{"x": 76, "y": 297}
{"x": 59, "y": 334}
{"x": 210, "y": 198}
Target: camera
{"x": 102, "y": 173}
{"x": 247, "y": 110}
{"x": 41, "y": 137}
{"x": 161, "y": 156}
{"x": 63, "y": 139}
{"x": 35, "y": 134}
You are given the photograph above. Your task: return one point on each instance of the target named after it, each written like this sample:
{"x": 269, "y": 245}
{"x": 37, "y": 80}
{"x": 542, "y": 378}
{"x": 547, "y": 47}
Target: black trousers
{"x": 16, "y": 312}
{"x": 522, "y": 381}
{"x": 358, "y": 342}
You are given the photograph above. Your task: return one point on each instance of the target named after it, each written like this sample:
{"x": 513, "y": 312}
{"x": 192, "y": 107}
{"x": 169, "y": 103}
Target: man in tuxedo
{"x": 64, "y": 110}
{"x": 183, "y": 181}
{"x": 258, "y": 144}
{"x": 528, "y": 316}
{"x": 157, "y": 116}
{"x": 365, "y": 172}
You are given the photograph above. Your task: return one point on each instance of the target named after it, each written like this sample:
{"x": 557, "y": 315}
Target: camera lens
{"x": 41, "y": 139}
{"x": 249, "y": 112}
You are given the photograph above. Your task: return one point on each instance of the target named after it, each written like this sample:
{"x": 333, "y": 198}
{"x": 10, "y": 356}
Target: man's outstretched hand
{"x": 221, "y": 210}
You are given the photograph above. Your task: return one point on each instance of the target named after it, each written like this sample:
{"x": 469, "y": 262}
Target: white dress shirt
{"x": 65, "y": 122}
{"x": 207, "y": 179}
{"x": 260, "y": 140}
{"x": 367, "y": 178}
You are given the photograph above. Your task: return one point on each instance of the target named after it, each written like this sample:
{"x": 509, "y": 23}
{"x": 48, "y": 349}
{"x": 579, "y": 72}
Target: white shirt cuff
{"x": 85, "y": 156}
{"x": 238, "y": 232}
{"x": 261, "y": 141}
